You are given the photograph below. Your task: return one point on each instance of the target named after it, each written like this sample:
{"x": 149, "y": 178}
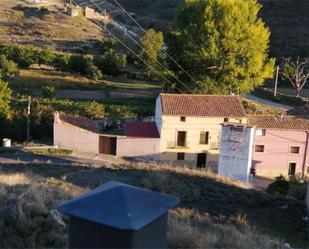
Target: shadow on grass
{"x": 276, "y": 216}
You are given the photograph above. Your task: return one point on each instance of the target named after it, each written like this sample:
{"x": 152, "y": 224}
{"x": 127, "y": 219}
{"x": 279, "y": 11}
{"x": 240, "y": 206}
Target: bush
{"x": 7, "y": 67}
{"x": 111, "y": 63}
{"x": 94, "y": 110}
{"x": 298, "y": 191}
{"x": 24, "y": 56}
{"x": 280, "y": 185}
{"x": 49, "y": 92}
{"x": 61, "y": 62}
{"x": 46, "y": 56}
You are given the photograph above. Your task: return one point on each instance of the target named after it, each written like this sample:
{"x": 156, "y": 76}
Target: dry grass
{"x": 26, "y": 202}
{"x": 214, "y": 212}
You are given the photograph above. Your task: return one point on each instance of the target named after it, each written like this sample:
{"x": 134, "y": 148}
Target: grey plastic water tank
{"x": 117, "y": 215}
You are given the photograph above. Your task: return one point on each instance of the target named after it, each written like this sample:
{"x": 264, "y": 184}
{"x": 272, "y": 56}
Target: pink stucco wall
{"x": 138, "y": 147}
{"x": 71, "y": 137}
{"x": 276, "y": 156}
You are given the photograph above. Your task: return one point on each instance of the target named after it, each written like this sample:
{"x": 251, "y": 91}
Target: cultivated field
{"x": 213, "y": 213}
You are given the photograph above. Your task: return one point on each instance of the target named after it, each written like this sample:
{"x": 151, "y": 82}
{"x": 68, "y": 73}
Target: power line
{"x": 138, "y": 44}
{"x": 132, "y": 18}
{"x": 115, "y": 37}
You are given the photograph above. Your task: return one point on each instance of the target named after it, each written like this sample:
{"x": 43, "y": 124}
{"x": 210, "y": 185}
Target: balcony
{"x": 178, "y": 145}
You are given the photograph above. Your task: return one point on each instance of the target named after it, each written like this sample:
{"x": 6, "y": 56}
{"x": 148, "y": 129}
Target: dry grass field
{"x": 213, "y": 213}
{"x": 23, "y": 23}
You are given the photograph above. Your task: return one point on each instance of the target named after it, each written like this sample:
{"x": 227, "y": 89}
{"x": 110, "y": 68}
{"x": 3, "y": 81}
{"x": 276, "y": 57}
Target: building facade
{"x": 189, "y": 126}
{"x": 281, "y": 146}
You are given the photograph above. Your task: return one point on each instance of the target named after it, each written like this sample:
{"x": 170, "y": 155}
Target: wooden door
{"x": 108, "y": 145}
{"x": 181, "y": 138}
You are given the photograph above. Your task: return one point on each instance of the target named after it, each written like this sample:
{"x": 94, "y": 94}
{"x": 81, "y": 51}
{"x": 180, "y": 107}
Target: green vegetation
{"x": 150, "y": 52}
{"x": 7, "y": 68}
{"x": 295, "y": 187}
{"x": 51, "y": 152}
{"x": 49, "y": 92}
{"x": 94, "y": 110}
{"x": 5, "y": 100}
{"x": 222, "y": 44}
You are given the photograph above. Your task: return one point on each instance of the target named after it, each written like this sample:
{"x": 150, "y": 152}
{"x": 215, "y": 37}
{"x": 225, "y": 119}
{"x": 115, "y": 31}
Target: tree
{"x": 49, "y": 92}
{"x": 5, "y": 99}
{"x": 94, "y": 110}
{"x": 111, "y": 63}
{"x": 297, "y": 72}
{"x": 46, "y": 56}
{"x": 7, "y": 68}
{"x": 222, "y": 44}
{"x": 151, "y": 44}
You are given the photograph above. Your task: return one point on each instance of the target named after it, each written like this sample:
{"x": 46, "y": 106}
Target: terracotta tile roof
{"x": 142, "y": 130}
{"x": 202, "y": 105}
{"x": 275, "y": 122}
{"x": 81, "y": 122}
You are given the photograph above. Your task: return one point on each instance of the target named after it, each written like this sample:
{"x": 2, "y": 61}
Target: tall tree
{"x": 151, "y": 44}
{"x": 222, "y": 44}
{"x": 297, "y": 72}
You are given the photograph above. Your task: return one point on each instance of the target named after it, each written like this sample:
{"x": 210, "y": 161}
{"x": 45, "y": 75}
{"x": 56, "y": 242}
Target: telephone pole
{"x": 276, "y": 82}
{"x": 28, "y": 118}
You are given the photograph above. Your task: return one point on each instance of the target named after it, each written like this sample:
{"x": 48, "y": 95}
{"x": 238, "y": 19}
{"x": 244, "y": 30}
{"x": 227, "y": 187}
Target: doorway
{"x": 181, "y": 139}
{"x": 292, "y": 169}
{"x": 107, "y": 145}
{"x": 201, "y": 160}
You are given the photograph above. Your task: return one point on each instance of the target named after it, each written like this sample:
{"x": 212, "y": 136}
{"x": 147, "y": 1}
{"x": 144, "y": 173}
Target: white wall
{"x": 70, "y": 137}
{"x": 236, "y": 153}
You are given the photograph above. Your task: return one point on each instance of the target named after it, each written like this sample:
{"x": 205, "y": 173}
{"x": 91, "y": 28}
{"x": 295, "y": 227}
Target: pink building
{"x": 83, "y": 135}
{"x": 280, "y": 146}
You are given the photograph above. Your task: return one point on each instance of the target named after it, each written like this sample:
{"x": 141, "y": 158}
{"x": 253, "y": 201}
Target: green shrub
{"x": 111, "y": 63}
{"x": 49, "y": 92}
{"x": 280, "y": 185}
{"x": 61, "y": 62}
{"x": 298, "y": 191}
{"x": 94, "y": 110}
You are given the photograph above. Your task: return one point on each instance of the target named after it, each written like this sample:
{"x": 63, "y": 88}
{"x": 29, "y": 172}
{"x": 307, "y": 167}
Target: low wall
{"x": 138, "y": 147}
{"x": 74, "y": 138}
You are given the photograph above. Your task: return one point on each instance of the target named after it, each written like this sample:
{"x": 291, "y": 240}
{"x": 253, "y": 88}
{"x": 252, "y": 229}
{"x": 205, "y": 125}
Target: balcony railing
{"x": 175, "y": 144}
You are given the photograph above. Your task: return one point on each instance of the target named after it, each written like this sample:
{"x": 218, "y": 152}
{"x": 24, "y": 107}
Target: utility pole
{"x": 28, "y": 119}
{"x": 276, "y": 82}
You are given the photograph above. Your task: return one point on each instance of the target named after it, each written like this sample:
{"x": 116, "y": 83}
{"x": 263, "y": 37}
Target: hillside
{"x": 24, "y": 23}
{"x": 287, "y": 19}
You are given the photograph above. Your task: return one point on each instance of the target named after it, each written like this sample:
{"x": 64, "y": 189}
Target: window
{"x": 180, "y": 156}
{"x": 183, "y": 119}
{"x": 292, "y": 169}
{"x": 294, "y": 150}
{"x": 259, "y": 148}
{"x": 226, "y": 120}
{"x": 260, "y": 132}
{"x": 181, "y": 138}
{"x": 204, "y": 137}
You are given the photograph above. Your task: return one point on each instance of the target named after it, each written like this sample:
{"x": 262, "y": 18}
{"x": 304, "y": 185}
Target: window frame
{"x": 207, "y": 137}
{"x": 293, "y": 153}
{"x": 257, "y": 145}
{"x": 289, "y": 169}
